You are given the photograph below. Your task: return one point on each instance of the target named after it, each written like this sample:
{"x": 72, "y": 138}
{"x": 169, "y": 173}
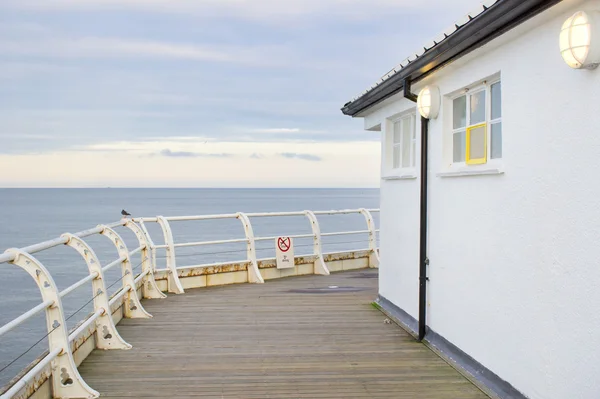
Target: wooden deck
{"x": 263, "y": 341}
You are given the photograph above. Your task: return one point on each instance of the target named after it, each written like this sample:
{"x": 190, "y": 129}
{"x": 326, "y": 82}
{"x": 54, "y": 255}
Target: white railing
{"x": 66, "y": 380}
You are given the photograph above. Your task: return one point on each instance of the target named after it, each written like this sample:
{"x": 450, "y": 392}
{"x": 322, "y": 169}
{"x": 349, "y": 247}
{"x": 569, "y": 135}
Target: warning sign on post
{"x": 284, "y": 250}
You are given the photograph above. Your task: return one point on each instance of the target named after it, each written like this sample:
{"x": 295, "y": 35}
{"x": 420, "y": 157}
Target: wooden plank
{"x": 263, "y": 341}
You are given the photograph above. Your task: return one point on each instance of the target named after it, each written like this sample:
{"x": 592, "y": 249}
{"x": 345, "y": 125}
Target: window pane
{"x": 496, "y": 140}
{"x": 406, "y": 124}
{"x": 406, "y": 141}
{"x": 496, "y": 101}
{"x": 477, "y": 108}
{"x": 397, "y": 131}
{"x": 459, "y": 112}
{"x": 414, "y": 153}
{"x": 458, "y": 147}
{"x": 396, "y": 157}
{"x": 477, "y": 143}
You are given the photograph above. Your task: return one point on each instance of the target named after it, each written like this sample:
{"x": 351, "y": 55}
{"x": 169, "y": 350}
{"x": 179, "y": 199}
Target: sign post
{"x": 284, "y": 252}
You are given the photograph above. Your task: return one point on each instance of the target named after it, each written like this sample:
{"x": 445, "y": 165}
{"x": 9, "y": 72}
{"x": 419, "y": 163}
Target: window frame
{"x": 412, "y": 142}
{"x": 487, "y": 123}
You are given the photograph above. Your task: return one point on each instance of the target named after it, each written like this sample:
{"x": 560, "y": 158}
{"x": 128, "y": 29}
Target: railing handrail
{"x": 109, "y": 338}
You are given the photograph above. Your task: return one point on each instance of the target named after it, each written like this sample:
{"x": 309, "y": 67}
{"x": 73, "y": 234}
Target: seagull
{"x": 125, "y": 213}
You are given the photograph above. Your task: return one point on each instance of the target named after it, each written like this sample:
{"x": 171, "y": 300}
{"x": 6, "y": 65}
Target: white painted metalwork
{"x": 254, "y": 275}
{"x": 135, "y": 251}
{"x": 374, "y": 253}
{"x": 133, "y": 307}
{"x": 343, "y": 233}
{"x": 32, "y": 374}
{"x": 200, "y": 243}
{"x": 85, "y": 325}
{"x": 25, "y": 316}
{"x": 273, "y": 214}
{"x": 78, "y": 284}
{"x": 339, "y": 212}
{"x": 141, "y": 276}
{"x": 320, "y": 266}
{"x": 107, "y": 337}
{"x": 290, "y": 236}
{"x": 148, "y": 254}
{"x": 113, "y": 264}
{"x": 66, "y": 380}
{"x": 118, "y": 296}
{"x": 201, "y": 217}
{"x": 173, "y": 283}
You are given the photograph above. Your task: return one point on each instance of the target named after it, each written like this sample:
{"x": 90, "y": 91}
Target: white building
{"x": 511, "y": 200}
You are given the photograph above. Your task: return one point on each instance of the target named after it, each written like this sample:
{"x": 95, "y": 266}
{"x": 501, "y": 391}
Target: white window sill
{"x": 400, "y": 175}
{"x": 494, "y": 168}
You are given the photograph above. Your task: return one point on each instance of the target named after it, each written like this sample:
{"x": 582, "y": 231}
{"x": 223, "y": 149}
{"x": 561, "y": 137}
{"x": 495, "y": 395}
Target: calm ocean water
{"x": 28, "y": 216}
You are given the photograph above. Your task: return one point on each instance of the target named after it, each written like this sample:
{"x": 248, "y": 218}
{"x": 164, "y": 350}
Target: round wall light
{"x": 578, "y": 37}
{"x": 428, "y": 102}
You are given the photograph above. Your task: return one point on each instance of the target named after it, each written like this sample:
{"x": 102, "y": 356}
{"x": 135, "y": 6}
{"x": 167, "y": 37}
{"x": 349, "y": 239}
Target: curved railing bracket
{"x": 132, "y": 307}
{"x": 254, "y": 275}
{"x": 108, "y": 337}
{"x": 66, "y": 380}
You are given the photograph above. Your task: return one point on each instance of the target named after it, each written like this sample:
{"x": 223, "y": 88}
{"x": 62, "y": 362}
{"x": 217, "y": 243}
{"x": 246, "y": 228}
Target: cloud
{"x": 188, "y": 154}
{"x": 257, "y": 156}
{"x": 102, "y": 47}
{"x": 306, "y": 157}
{"x": 266, "y": 10}
{"x": 275, "y": 130}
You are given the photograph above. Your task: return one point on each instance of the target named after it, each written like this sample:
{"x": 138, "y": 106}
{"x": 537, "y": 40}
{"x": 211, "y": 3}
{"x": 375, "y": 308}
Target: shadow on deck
{"x": 267, "y": 341}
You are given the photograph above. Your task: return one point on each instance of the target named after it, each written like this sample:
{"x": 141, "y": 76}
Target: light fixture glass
{"x": 577, "y": 41}
{"x": 428, "y": 102}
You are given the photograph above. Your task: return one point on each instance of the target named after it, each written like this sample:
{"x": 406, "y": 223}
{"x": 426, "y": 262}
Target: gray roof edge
{"x": 491, "y": 22}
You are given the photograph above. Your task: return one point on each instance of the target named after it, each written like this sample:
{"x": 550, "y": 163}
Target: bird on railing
{"x": 125, "y": 213}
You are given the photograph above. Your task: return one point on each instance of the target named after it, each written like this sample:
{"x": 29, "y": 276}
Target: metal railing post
{"x": 150, "y": 242}
{"x": 66, "y": 380}
{"x": 373, "y": 253}
{"x": 150, "y": 289}
{"x": 107, "y": 336}
{"x": 254, "y": 275}
{"x": 132, "y": 307}
{"x": 173, "y": 283}
{"x": 320, "y": 266}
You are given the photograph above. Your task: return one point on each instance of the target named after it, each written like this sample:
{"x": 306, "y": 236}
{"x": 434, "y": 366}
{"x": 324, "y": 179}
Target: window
{"x": 404, "y": 142}
{"x": 477, "y": 125}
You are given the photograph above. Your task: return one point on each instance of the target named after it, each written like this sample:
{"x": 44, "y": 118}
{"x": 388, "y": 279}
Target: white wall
{"x": 515, "y": 264}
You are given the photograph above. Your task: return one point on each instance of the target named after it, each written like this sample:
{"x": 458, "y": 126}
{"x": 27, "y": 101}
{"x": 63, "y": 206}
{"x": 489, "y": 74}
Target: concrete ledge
{"x": 489, "y": 382}
{"x": 236, "y": 272}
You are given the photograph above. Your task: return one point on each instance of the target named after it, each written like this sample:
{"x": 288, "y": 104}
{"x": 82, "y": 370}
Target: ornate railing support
{"x": 254, "y": 275}
{"x": 320, "y": 266}
{"x": 132, "y": 307}
{"x": 150, "y": 289}
{"x": 173, "y": 283}
{"x": 66, "y": 380}
{"x": 373, "y": 254}
{"x": 107, "y": 336}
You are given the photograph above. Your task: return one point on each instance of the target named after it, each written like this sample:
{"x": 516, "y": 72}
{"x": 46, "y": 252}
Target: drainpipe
{"x": 423, "y": 260}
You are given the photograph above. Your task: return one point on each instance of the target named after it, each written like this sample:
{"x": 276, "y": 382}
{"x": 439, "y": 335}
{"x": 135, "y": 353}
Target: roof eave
{"x": 491, "y": 23}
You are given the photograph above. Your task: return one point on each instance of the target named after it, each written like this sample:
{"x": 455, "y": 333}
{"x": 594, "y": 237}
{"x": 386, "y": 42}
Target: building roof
{"x": 491, "y": 19}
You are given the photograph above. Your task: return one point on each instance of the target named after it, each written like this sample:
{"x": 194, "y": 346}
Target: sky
{"x": 198, "y": 93}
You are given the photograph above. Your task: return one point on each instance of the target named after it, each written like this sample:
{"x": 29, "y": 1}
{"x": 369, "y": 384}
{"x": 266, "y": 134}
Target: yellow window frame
{"x": 476, "y": 161}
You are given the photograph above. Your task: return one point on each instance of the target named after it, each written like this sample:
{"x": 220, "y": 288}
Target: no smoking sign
{"x": 284, "y": 252}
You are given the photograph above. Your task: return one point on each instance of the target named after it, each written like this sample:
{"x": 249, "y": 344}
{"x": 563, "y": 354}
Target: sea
{"x": 29, "y": 216}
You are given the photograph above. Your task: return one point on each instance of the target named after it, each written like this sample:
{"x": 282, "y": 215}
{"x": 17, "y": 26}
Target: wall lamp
{"x": 579, "y": 40}
{"x": 428, "y": 102}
